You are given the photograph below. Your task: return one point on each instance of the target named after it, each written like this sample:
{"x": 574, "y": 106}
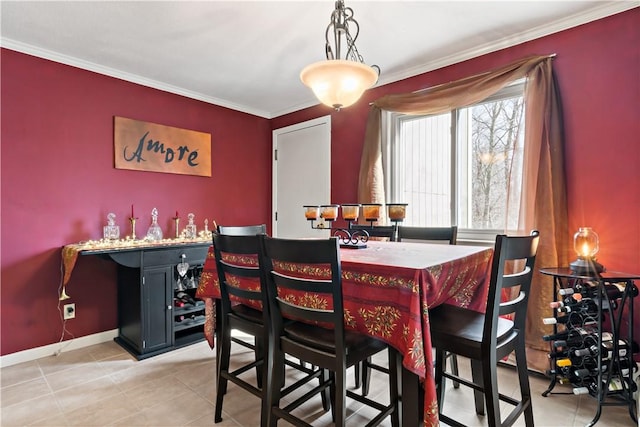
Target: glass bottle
{"x": 190, "y": 231}
{"x": 111, "y": 231}
{"x": 155, "y": 232}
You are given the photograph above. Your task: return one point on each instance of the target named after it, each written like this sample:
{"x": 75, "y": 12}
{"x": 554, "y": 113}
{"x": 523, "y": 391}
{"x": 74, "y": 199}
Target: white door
{"x": 301, "y": 176}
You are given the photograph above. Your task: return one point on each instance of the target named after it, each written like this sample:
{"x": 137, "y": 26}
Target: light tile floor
{"x": 103, "y": 385}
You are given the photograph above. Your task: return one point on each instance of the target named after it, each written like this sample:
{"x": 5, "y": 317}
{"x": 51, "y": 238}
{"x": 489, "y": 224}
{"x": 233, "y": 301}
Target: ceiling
{"x": 247, "y": 55}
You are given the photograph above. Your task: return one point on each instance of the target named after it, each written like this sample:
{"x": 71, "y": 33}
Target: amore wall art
{"x": 152, "y": 147}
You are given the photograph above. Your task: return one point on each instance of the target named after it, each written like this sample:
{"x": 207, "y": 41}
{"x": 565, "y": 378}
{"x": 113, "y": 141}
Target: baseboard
{"x": 56, "y": 348}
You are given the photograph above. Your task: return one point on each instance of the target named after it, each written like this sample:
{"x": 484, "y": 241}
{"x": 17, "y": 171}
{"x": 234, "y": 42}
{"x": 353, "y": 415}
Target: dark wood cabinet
{"x": 150, "y": 318}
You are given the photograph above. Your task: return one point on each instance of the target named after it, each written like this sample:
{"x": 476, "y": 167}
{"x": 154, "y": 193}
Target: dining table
{"x": 388, "y": 289}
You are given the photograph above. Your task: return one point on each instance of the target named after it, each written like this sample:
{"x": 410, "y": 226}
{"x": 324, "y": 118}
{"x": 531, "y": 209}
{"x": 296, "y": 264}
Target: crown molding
{"x": 123, "y": 75}
{"x": 599, "y": 12}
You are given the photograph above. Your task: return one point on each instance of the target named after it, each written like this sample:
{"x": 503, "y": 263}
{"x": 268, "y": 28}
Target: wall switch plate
{"x": 69, "y": 311}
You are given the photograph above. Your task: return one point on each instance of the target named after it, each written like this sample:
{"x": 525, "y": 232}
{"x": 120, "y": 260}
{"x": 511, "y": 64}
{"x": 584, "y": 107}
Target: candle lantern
{"x": 371, "y": 211}
{"x": 350, "y": 212}
{"x": 586, "y": 245}
{"x": 311, "y": 212}
{"x": 329, "y": 212}
{"x": 397, "y": 211}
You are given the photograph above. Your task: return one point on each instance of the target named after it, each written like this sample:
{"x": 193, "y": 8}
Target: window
{"x": 460, "y": 168}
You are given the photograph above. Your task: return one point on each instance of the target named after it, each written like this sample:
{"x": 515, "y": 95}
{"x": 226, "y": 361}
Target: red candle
{"x": 132, "y": 215}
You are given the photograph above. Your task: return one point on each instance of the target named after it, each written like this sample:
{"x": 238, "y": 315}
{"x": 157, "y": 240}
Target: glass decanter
{"x": 111, "y": 231}
{"x": 190, "y": 231}
{"x": 155, "y": 232}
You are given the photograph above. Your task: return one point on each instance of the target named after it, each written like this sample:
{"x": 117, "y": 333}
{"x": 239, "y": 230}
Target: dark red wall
{"x": 58, "y": 180}
{"x": 59, "y": 183}
{"x": 598, "y": 72}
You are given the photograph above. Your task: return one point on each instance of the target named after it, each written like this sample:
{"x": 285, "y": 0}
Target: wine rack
{"x": 587, "y": 349}
{"x": 188, "y": 311}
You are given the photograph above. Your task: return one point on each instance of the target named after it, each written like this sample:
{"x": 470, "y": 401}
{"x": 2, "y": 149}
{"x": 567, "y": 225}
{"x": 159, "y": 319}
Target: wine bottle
{"x": 557, "y": 336}
{"x": 558, "y": 354}
{"x": 564, "y": 362}
{"x": 568, "y": 300}
{"x": 608, "y": 349}
{"x": 587, "y": 306}
{"x": 592, "y": 349}
{"x": 575, "y": 337}
{"x": 571, "y": 320}
{"x": 615, "y": 290}
{"x": 580, "y": 390}
{"x": 618, "y": 384}
{"x": 566, "y": 291}
{"x": 625, "y": 366}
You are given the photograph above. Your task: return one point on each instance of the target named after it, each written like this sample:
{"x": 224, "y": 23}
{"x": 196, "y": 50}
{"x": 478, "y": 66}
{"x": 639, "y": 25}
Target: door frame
{"x": 324, "y": 120}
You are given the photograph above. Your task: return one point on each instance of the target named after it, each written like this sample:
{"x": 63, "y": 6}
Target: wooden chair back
{"x": 236, "y": 260}
{"x": 513, "y": 266}
{"x": 388, "y": 231}
{"x": 314, "y": 293}
{"x": 242, "y": 230}
{"x": 429, "y": 234}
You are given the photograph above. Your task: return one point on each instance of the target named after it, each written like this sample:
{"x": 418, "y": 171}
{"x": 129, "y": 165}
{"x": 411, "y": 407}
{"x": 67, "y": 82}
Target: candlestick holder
{"x": 352, "y": 239}
{"x": 133, "y": 227}
{"x": 176, "y": 220}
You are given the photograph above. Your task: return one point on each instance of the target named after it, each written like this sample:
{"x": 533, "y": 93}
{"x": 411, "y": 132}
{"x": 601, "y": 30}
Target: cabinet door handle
{"x": 169, "y": 307}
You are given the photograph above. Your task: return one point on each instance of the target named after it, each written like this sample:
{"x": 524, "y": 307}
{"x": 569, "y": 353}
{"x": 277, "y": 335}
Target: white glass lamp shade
{"x": 338, "y": 83}
{"x": 586, "y": 242}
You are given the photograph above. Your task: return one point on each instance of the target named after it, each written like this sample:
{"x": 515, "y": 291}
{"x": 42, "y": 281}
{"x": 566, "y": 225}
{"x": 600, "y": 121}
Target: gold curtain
{"x": 542, "y": 205}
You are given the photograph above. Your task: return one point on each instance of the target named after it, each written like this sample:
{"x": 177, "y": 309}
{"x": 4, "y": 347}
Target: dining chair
{"x": 422, "y": 234}
{"x": 241, "y": 308}
{"x": 304, "y": 282}
{"x": 429, "y": 234}
{"x": 388, "y": 231}
{"x": 488, "y": 337}
{"x": 244, "y": 230}
{"x": 362, "y": 371}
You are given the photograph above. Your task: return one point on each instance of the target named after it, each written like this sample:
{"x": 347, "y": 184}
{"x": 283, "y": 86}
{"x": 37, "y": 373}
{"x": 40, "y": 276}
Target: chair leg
{"x": 275, "y": 381}
{"x": 266, "y": 398}
{"x": 357, "y": 369}
{"x": 478, "y": 378}
{"x": 393, "y": 386}
{"x": 439, "y": 379}
{"x": 366, "y": 376}
{"x": 325, "y": 394}
{"x": 490, "y": 386}
{"x": 224, "y": 353}
{"x": 340, "y": 398}
{"x": 454, "y": 368}
{"x": 523, "y": 377}
{"x": 332, "y": 394}
{"x": 259, "y": 354}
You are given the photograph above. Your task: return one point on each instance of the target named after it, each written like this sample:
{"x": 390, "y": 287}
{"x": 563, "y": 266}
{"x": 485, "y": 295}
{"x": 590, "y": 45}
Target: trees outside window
{"x": 459, "y": 168}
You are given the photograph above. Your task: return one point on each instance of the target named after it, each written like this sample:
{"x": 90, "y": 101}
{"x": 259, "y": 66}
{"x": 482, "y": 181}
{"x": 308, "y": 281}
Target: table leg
{"x": 410, "y": 395}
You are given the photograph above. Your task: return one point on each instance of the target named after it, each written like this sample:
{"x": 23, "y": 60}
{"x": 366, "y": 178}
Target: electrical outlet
{"x": 69, "y": 311}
